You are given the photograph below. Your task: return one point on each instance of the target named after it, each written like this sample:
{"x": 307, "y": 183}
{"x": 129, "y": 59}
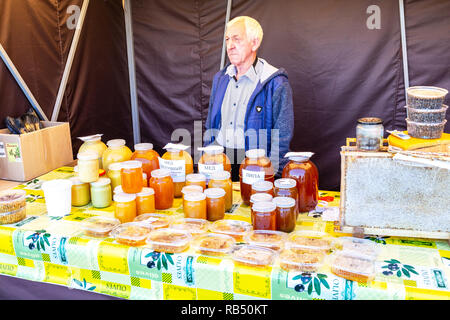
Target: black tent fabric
{"x": 344, "y": 60}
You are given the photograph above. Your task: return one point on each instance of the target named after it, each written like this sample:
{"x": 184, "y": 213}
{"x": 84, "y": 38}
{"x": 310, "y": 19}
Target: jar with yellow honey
{"x": 81, "y": 193}
{"x": 125, "y": 207}
{"x": 117, "y": 151}
{"x": 88, "y": 169}
{"x": 93, "y": 143}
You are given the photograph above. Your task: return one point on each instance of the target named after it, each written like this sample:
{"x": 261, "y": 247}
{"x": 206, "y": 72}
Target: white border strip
{"x": 227, "y": 18}
{"x": 404, "y": 48}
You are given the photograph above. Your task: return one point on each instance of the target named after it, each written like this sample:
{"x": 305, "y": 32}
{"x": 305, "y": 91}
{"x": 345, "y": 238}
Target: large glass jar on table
{"x": 117, "y": 152}
{"x": 161, "y": 182}
{"x": 144, "y": 153}
{"x": 93, "y": 144}
{"x": 255, "y": 167}
{"x": 213, "y": 160}
{"x": 305, "y": 173}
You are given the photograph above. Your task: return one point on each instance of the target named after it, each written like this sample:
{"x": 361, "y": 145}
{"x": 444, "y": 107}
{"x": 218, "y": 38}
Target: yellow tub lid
{"x": 434, "y": 145}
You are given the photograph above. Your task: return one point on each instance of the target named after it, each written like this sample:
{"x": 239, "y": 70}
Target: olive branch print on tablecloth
{"x": 38, "y": 240}
{"x": 395, "y": 266}
{"x": 311, "y": 282}
{"x": 84, "y": 284}
{"x": 159, "y": 259}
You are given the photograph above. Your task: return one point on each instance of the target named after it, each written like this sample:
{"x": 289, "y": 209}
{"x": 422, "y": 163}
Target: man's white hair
{"x": 253, "y": 29}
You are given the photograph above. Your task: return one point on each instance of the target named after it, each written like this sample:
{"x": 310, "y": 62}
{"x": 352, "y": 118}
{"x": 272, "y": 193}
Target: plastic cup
{"x": 58, "y": 197}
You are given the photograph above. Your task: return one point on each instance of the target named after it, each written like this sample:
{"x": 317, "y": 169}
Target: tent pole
{"x": 10, "y": 65}
{"x": 132, "y": 72}
{"x": 404, "y": 48}
{"x": 227, "y": 18}
{"x": 69, "y": 62}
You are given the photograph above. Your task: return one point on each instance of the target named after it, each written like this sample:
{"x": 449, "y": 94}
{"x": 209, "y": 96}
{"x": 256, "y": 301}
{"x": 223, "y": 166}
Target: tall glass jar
{"x": 287, "y": 187}
{"x": 305, "y": 173}
{"x": 161, "y": 182}
{"x": 94, "y": 144}
{"x": 222, "y": 179}
{"x": 125, "y": 207}
{"x": 144, "y": 152}
{"x": 215, "y": 203}
{"x": 286, "y": 215}
{"x": 131, "y": 176}
{"x": 180, "y": 164}
{"x": 88, "y": 169}
{"x": 117, "y": 152}
{"x": 213, "y": 160}
{"x": 101, "y": 194}
{"x": 194, "y": 205}
{"x": 255, "y": 167}
{"x": 369, "y": 134}
{"x": 264, "y": 216}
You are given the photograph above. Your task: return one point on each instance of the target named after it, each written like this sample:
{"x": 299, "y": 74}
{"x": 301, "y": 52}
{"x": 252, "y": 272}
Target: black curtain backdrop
{"x": 339, "y": 68}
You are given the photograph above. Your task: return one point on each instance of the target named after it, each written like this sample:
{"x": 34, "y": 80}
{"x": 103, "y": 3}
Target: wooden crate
{"x": 383, "y": 196}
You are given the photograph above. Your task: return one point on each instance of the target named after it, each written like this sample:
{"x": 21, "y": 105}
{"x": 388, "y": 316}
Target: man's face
{"x": 239, "y": 48}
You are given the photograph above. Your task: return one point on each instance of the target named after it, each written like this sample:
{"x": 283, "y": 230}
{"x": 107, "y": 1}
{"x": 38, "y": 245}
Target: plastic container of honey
{"x": 215, "y": 203}
{"x": 93, "y": 143}
{"x": 213, "y": 160}
{"x": 195, "y": 227}
{"x": 162, "y": 183}
{"x": 309, "y": 241}
{"x": 88, "y": 167}
{"x": 144, "y": 153}
{"x": 145, "y": 201}
{"x": 255, "y": 167}
{"x": 114, "y": 174}
{"x": 286, "y": 215}
{"x": 12, "y": 206}
{"x": 222, "y": 179}
{"x": 125, "y": 207}
{"x": 81, "y": 192}
{"x": 358, "y": 247}
{"x": 154, "y": 220}
{"x": 131, "y": 234}
{"x": 169, "y": 240}
{"x": 266, "y": 238}
{"x": 351, "y": 267}
{"x": 234, "y": 228}
{"x": 117, "y": 151}
{"x": 305, "y": 173}
{"x": 194, "y": 205}
{"x": 196, "y": 179}
{"x": 253, "y": 256}
{"x": 214, "y": 244}
{"x": 101, "y": 193}
{"x": 98, "y": 226}
{"x": 264, "y": 216}
{"x": 306, "y": 262}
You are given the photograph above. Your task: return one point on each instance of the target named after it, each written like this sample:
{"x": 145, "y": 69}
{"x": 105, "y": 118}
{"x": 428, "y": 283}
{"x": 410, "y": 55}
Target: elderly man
{"x": 251, "y": 101}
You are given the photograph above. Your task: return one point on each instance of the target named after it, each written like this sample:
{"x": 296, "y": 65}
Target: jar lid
{"x": 115, "y": 143}
{"x": 427, "y": 92}
{"x": 264, "y": 206}
{"x": 262, "y": 185}
{"x": 101, "y": 182}
{"x": 260, "y": 197}
{"x": 255, "y": 153}
{"x": 94, "y": 137}
{"x": 144, "y": 192}
{"x": 285, "y": 183}
{"x": 115, "y": 166}
{"x": 284, "y": 202}
{"x": 175, "y": 147}
{"x": 10, "y": 196}
{"x": 118, "y": 189}
{"x": 196, "y": 177}
{"x": 370, "y": 120}
{"x": 194, "y": 196}
{"x": 76, "y": 181}
{"x": 143, "y": 146}
{"x": 124, "y": 197}
{"x": 299, "y": 156}
{"x": 216, "y": 149}
{"x": 131, "y": 164}
{"x": 214, "y": 192}
{"x": 220, "y": 175}
{"x": 160, "y": 173}
{"x": 87, "y": 155}
{"x": 191, "y": 188}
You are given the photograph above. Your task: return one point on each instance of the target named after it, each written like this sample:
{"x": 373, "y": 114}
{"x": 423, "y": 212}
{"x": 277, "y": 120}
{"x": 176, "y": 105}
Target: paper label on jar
{"x": 209, "y": 169}
{"x": 250, "y": 177}
{"x": 177, "y": 168}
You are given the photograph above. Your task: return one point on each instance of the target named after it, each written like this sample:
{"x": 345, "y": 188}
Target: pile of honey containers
{"x": 142, "y": 182}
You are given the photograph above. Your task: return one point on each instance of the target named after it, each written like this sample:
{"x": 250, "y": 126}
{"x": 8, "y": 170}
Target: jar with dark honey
{"x": 264, "y": 216}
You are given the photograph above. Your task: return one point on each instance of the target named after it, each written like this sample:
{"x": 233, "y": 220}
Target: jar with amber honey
{"x": 213, "y": 160}
{"x": 131, "y": 176}
{"x": 260, "y": 197}
{"x": 215, "y": 203}
{"x": 145, "y": 201}
{"x": 161, "y": 182}
{"x": 222, "y": 179}
{"x": 305, "y": 173}
{"x": 255, "y": 167}
{"x": 262, "y": 187}
{"x": 196, "y": 179}
{"x": 263, "y": 216}
{"x": 144, "y": 153}
{"x": 194, "y": 205}
{"x": 286, "y": 215}
{"x": 125, "y": 207}
{"x": 286, "y": 187}
{"x": 81, "y": 193}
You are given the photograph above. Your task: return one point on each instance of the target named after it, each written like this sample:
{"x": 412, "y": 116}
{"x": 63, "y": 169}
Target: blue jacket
{"x": 269, "y": 107}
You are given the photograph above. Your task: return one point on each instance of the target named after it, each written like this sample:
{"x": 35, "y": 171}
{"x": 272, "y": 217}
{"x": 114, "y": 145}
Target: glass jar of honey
{"x": 131, "y": 176}
{"x": 215, "y": 203}
{"x": 213, "y": 160}
{"x": 145, "y": 201}
{"x": 194, "y": 205}
{"x": 93, "y": 144}
{"x": 305, "y": 173}
{"x": 222, "y": 179}
{"x": 179, "y": 163}
{"x": 286, "y": 215}
{"x": 144, "y": 152}
{"x": 117, "y": 151}
{"x": 81, "y": 193}
{"x": 262, "y": 187}
{"x": 255, "y": 167}
{"x": 101, "y": 193}
{"x": 190, "y": 189}
{"x": 264, "y": 216}
{"x": 161, "y": 182}
{"x": 114, "y": 174}
{"x": 287, "y": 187}
{"x": 88, "y": 169}
{"x": 196, "y": 179}
{"x": 125, "y": 207}
{"x": 260, "y": 197}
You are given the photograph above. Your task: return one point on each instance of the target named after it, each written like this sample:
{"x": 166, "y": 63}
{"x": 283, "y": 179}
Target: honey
{"x": 213, "y": 160}
{"x": 117, "y": 151}
{"x": 114, "y": 174}
{"x": 215, "y": 203}
{"x": 264, "y": 216}
{"x": 196, "y": 179}
{"x": 161, "y": 182}
{"x": 286, "y": 187}
{"x": 88, "y": 167}
{"x": 145, "y": 201}
{"x": 125, "y": 207}
{"x": 131, "y": 176}
{"x": 81, "y": 193}
{"x": 144, "y": 153}
{"x": 179, "y": 163}
{"x": 194, "y": 205}
{"x": 286, "y": 216}
{"x": 222, "y": 179}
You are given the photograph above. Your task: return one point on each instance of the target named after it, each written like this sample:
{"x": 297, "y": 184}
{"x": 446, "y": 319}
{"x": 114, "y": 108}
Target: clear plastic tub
{"x": 154, "y": 220}
{"x": 195, "y": 227}
{"x": 131, "y": 233}
{"x": 235, "y": 228}
{"x": 266, "y": 238}
{"x": 13, "y": 216}
{"x": 214, "y": 244}
{"x": 358, "y": 247}
{"x": 301, "y": 262}
{"x": 423, "y": 130}
{"x": 309, "y": 241}
{"x": 426, "y": 115}
{"x": 254, "y": 256}
{"x": 169, "y": 240}
{"x": 99, "y": 227}
{"x": 351, "y": 267}
{"x": 12, "y": 200}
{"x": 425, "y": 97}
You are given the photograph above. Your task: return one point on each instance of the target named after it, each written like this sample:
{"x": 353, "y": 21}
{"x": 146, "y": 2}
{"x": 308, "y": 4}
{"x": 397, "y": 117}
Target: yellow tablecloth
{"x": 407, "y": 268}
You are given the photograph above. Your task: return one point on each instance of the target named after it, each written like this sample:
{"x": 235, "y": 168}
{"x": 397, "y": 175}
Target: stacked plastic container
{"x": 426, "y": 112}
